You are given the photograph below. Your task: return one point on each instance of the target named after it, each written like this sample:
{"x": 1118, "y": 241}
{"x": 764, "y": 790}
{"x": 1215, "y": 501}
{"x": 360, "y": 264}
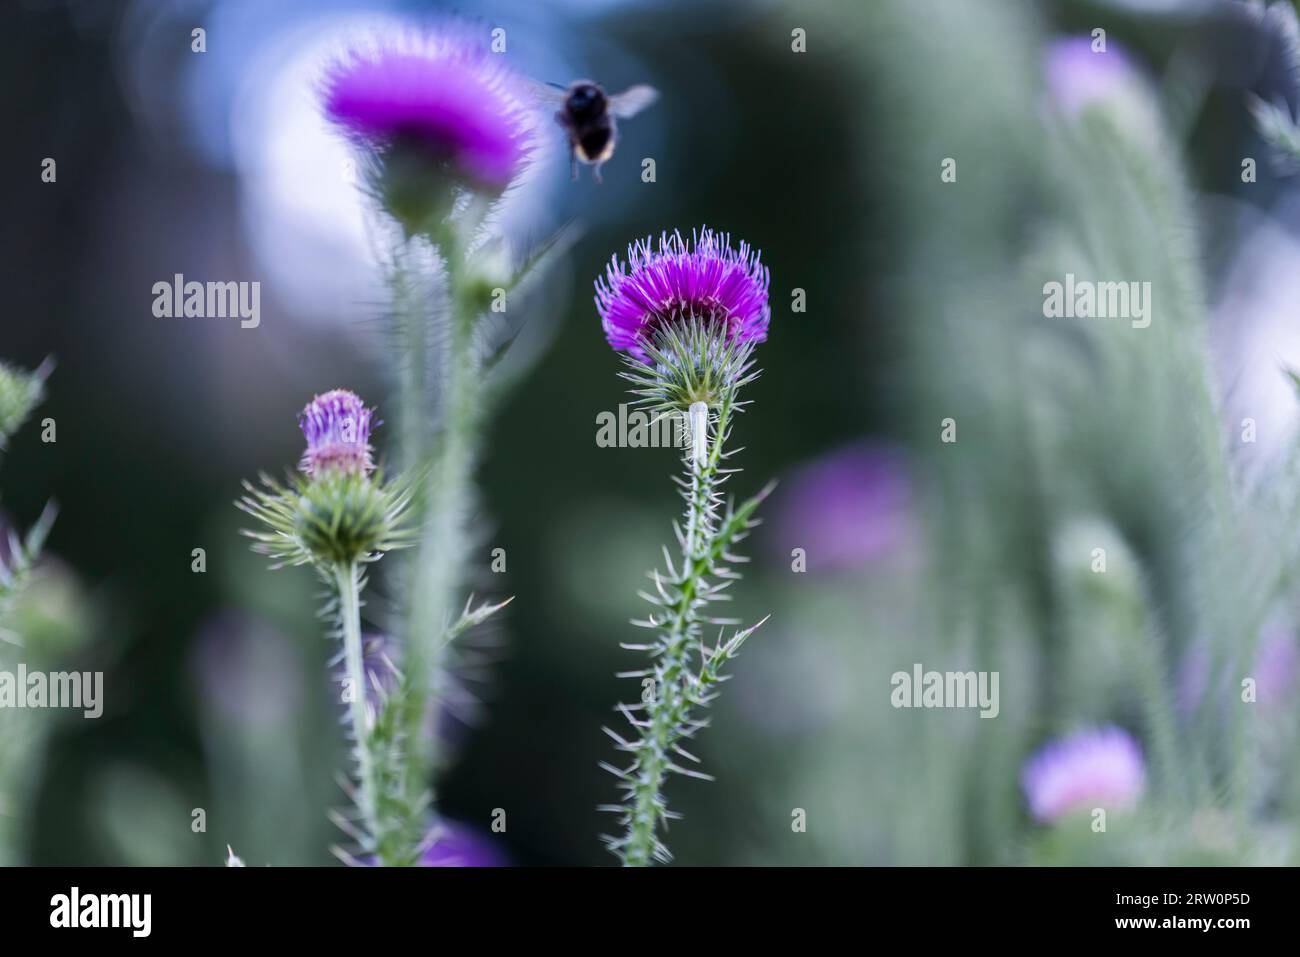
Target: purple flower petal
{"x": 1093, "y": 768}
{"x": 460, "y": 846}
{"x": 442, "y": 91}
{"x": 337, "y": 428}
{"x": 704, "y": 279}
{"x": 1077, "y": 76}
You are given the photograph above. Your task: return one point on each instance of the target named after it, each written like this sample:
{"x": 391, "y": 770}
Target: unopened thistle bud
{"x": 336, "y": 426}
{"x": 339, "y": 510}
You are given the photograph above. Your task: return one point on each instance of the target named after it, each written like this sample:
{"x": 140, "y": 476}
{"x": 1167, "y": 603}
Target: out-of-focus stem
{"x": 439, "y": 560}
{"x": 447, "y": 458}
{"x": 348, "y": 579}
{"x": 410, "y": 315}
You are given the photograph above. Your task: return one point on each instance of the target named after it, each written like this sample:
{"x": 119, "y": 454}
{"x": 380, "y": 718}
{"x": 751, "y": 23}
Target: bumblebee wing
{"x": 632, "y": 101}
{"x": 548, "y": 94}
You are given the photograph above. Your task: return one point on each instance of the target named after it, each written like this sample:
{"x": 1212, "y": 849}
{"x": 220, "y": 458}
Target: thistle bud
{"x": 336, "y": 426}
{"x": 339, "y": 510}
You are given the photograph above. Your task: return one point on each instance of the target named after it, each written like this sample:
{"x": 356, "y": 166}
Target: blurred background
{"x": 924, "y": 302}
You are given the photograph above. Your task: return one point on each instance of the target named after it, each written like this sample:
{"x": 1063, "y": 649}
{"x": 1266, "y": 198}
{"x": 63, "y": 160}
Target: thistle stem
{"x": 442, "y": 547}
{"x": 348, "y": 578}
{"x": 449, "y": 458}
{"x": 699, "y": 413}
{"x": 412, "y": 363}
{"x": 667, "y": 711}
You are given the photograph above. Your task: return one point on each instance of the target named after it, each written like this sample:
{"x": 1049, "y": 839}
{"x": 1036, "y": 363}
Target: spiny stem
{"x": 348, "y": 578}
{"x": 668, "y": 708}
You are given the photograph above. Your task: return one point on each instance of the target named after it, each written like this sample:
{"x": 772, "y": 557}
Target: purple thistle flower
{"x": 444, "y": 93}
{"x": 337, "y": 427}
{"x": 705, "y": 279}
{"x": 1095, "y": 767}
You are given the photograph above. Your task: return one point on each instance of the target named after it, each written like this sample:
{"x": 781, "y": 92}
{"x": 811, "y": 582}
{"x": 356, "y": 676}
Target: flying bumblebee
{"x": 588, "y": 115}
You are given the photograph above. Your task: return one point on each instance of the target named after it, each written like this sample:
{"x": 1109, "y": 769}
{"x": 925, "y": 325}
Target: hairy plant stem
{"x": 667, "y": 710}
{"x": 347, "y": 577}
{"x": 446, "y": 459}
{"x": 412, "y": 386}
{"x": 441, "y": 553}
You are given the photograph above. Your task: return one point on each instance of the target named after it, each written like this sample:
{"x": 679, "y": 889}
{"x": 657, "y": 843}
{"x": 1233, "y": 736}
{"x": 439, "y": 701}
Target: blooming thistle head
{"x": 687, "y": 315}
{"x": 338, "y": 510}
{"x": 1096, "y": 767}
{"x": 440, "y": 110}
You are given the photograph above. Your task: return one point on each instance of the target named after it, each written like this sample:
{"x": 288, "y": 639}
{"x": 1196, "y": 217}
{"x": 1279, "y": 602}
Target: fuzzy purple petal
{"x": 459, "y": 846}
{"x": 1077, "y": 76}
{"x": 337, "y": 428}
{"x": 442, "y": 91}
{"x": 705, "y": 278}
{"x": 1092, "y": 768}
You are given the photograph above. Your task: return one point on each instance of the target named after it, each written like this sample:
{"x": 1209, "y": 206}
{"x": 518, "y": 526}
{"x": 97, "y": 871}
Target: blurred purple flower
{"x": 1277, "y": 665}
{"x": 1077, "y": 76}
{"x": 459, "y": 846}
{"x": 704, "y": 279}
{"x": 337, "y": 428}
{"x": 850, "y": 506}
{"x": 380, "y": 657}
{"x": 1276, "y": 670}
{"x": 382, "y": 660}
{"x": 1095, "y": 767}
{"x": 444, "y": 93}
